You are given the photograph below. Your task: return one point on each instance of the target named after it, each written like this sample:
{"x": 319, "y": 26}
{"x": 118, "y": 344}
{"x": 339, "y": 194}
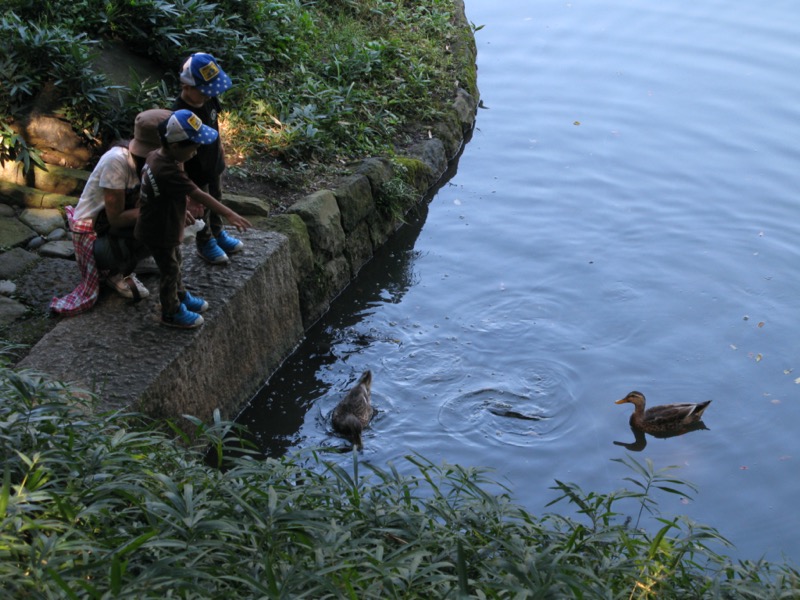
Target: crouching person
{"x": 103, "y": 220}
{"x": 163, "y": 213}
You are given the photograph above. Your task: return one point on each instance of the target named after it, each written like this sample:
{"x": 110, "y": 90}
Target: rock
{"x": 61, "y": 249}
{"x": 247, "y": 205}
{"x": 7, "y": 211}
{"x": 10, "y": 310}
{"x": 354, "y": 195}
{"x": 57, "y": 234}
{"x": 22, "y": 195}
{"x": 320, "y": 213}
{"x": 14, "y": 233}
{"x": 36, "y": 243}
{"x": 465, "y": 106}
{"x": 42, "y": 220}
{"x": 57, "y": 142}
{"x": 7, "y": 287}
{"x": 377, "y": 170}
{"x": 359, "y": 247}
{"x": 15, "y": 261}
{"x": 432, "y": 154}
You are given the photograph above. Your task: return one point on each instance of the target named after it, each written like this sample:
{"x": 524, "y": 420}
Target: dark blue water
{"x": 626, "y": 216}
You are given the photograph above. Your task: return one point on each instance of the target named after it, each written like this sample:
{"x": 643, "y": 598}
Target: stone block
{"x": 21, "y": 195}
{"x": 58, "y": 249}
{"x": 320, "y": 213}
{"x": 14, "y": 232}
{"x": 57, "y": 180}
{"x": 293, "y": 227}
{"x": 252, "y": 324}
{"x": 433, "y": 155}
{"x": 337, "y": 276}
{"x": 354, "y": 196}
{"x": 377, "y": 170}
{"x": 359, "y": 248}
{"x": 247, "y": 206}
{"x": 42, "y": 220}
{"x": 466, "y": 107}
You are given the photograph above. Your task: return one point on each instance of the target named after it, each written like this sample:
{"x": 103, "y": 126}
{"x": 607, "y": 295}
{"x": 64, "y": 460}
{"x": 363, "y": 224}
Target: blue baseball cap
{"x": 202, "y": 71}
{"x": 185, "y": 125}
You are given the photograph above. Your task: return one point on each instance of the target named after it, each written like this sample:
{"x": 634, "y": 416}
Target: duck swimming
{"x": 666, "y": 417}
{"x": 354, "y": 411}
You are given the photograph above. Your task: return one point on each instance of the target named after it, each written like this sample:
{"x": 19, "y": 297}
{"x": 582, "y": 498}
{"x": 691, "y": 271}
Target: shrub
{"x": 315, "y": 81}
{"x": 107, "y": 505}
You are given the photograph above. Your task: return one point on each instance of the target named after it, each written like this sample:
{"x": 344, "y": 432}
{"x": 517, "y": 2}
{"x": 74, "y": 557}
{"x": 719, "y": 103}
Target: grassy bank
{"x": 317, "y": 83}
{"x": 106, "y": 506}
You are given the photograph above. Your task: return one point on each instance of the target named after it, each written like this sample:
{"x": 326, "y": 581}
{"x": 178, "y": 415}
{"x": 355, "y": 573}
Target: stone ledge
{"x": 120, "y": 351}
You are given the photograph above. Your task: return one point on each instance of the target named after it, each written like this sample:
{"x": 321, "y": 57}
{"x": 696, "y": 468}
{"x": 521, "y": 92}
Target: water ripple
{"x": 530, "y": 409}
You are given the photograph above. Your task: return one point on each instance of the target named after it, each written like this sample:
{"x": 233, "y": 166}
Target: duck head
{"x": 635, "y": 398}
{"x": 351, "y": 428}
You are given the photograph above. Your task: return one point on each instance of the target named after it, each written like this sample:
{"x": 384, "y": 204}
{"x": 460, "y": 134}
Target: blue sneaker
{"x": 212, "y": 253}
{"x": 183, "y": 319}
{"x": 228, "y": 243}
{"x": 193, "y": 303}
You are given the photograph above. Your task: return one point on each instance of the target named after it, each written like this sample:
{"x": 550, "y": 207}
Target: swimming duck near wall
{"x": 354, "y": 411}
{"x": 666, "y": 417}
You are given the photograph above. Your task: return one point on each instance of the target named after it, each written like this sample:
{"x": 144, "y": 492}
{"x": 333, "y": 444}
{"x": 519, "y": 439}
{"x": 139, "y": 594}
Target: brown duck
{"x": 354, "y": 411}
{"x": 666, "y": 417}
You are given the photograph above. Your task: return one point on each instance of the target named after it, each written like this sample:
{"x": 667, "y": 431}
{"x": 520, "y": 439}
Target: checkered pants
{"x": 85, "y": 295}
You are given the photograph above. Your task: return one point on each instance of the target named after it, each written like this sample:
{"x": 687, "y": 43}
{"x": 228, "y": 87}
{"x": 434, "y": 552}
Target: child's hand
{"x": 195, "y": 208}
{"x": 238, "y": 221}
{"x": 188, "y": 219}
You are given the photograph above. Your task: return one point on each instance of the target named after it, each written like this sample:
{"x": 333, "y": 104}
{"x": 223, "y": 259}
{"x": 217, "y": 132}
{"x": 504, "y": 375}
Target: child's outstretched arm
{"x": 216, "y": 206}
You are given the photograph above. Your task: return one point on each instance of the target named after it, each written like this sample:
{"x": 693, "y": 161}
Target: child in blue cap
{"x": 163, "y": 214}
{"x": 202, "y": 81}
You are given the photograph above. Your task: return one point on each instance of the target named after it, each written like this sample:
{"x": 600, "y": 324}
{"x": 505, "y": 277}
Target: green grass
{"x": 109, "y": 505}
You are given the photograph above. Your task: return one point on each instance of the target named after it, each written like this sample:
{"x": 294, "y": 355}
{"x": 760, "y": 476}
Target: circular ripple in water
{"x": 534, "y": 408}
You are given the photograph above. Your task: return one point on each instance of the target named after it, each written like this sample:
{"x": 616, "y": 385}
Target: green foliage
{"x": 314, "y": 81}
{"x": 34, "y": 56}
{"x": 396, "y": 195}
{"x": 14, "y": 148}
{"x": 105, "y": 505}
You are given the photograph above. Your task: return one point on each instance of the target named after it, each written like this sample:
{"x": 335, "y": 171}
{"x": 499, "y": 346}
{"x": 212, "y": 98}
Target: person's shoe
{"x": 182, "y": 319}
{"x": 212, "y": 253}
{"x": 128, "y": 287}
{"x": 193, "y": 303}
{"x": 228, "y": 243}
{"x": 146, "y": 266}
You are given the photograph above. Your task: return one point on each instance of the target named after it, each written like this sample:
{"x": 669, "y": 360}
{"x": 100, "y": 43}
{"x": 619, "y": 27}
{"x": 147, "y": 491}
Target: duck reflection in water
{"x": 354, "y": 411}
{"x": 664, "y": 421}
{"x": 640, "y": 441}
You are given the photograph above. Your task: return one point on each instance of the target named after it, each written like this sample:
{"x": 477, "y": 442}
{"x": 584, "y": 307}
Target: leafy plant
{"x": 99, "y": 504}
{"x": 13, "y": 147}
{"x": 343, "y": 80}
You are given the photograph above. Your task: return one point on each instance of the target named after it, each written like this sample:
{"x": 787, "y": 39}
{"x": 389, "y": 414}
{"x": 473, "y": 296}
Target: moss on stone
{"x": 414, "y": 171}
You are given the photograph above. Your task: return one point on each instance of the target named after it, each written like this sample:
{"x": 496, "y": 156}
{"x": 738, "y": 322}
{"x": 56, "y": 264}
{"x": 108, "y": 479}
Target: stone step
{"x": 56, "y": 179}
{"x": 28, "y": 197}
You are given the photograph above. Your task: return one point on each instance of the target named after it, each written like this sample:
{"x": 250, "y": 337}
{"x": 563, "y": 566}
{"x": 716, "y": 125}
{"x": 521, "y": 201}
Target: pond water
{"x": 624, "y": 218}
